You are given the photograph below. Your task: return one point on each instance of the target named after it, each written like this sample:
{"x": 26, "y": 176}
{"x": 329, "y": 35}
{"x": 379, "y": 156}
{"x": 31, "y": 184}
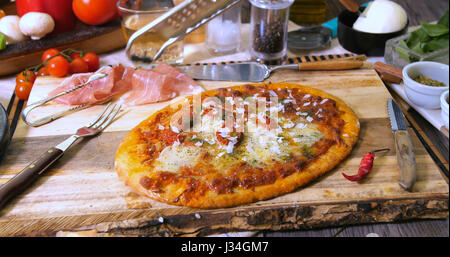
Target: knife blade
{"x": 252, "y": 72}
{"x": 257, "y": 72}
{"x": 403, "y": 145}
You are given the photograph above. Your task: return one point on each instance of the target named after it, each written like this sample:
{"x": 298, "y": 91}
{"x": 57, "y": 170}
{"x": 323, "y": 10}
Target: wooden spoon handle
{"x": 350, "y": 5}
{"x": 331, "y": 65}
{"x": 388, "y": 73}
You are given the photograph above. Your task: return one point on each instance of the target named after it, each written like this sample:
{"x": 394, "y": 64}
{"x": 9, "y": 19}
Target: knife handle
{"x": 331, "y": 65}
{"x": 406, "y": 159}
{"x": 389, "y": 73}
{"x": 22, "y": 180}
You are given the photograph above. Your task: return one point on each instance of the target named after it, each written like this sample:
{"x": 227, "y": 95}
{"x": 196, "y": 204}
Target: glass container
{"x": 268, "y": 29}
{"x": 397, "y": 55}
{"x": 135, "y": 15}
{"x": 224, "y": 33}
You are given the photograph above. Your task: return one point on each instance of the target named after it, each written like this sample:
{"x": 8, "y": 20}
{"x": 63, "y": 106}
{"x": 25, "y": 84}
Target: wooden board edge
{"x": 282, "y": 217}
{"x": 19, "y": 63}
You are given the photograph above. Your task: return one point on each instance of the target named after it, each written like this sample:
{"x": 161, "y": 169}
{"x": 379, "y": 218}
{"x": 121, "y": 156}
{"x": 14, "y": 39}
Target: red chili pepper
{"x": 365, "y": 167}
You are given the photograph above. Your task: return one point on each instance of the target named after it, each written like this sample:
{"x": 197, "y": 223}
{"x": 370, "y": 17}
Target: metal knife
{"x": 257, "y": 72}
{"x": 403, "y": 146}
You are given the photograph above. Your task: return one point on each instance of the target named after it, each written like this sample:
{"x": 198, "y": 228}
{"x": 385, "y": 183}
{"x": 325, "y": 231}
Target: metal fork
{"x": 28, "y": 175}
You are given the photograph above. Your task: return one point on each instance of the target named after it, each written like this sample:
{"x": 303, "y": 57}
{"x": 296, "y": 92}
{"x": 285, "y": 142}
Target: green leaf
{"x": 434, "y": 30}
{"x": 444, "y": 19}
{"x": 435, "y": 44}
{"x": 417, "y": 37}
{"x": 402, "y": 53}
{"x": 2, "y": 41}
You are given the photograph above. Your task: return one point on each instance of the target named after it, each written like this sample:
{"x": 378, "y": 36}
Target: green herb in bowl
{"x": 429, "y": 82}
{"x": 428, "y": 38}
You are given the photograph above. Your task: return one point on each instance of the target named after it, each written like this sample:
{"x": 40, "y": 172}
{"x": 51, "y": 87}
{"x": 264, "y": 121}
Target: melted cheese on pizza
{"x": 260, "y": 145}
{"x": 210, "y": 156}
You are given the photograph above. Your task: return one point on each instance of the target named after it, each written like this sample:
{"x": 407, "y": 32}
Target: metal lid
{"x": 309, "y": 38}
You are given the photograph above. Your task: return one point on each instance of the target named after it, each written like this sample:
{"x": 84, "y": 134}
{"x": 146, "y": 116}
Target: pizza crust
{"x": 131, "y": 167}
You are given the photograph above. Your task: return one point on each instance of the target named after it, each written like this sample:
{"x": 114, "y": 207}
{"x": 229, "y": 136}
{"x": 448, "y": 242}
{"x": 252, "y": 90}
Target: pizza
{"x": 237, "y": 145}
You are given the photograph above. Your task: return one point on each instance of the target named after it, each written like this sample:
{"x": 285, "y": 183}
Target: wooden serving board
{"x": 82, "y": 195}
{"x": 98, "y": 39}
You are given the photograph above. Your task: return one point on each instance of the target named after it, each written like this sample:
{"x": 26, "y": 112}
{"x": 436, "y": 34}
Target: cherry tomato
{"x": 78, "y": 65}
{"x": 2, "y": 13}
{"x": 43, "y": 71}
{"x": 58, "y": 66}
{"x": 75, "y": 55}
{"x": 92, "y": 60}
{"x": 26, "y": 76}
{"x": 49, "y": 53}
{"x": 95, "y": 12}
{"x": 23, "y": 90}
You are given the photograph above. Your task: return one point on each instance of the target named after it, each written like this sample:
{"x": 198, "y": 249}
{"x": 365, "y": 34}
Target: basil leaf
{"x": 444, "y": 19}
{"x": 2, "y": 41}
{"x": 434, "y": 30}
{"x": 402, "y": 53}
{"x": 435, "y": 44}
{"x": 417, "y": 37}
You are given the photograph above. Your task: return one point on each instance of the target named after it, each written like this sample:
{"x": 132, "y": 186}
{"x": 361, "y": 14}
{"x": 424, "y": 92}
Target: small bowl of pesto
{"x": 444, "y": 107}
{"x": 425, "y": 82}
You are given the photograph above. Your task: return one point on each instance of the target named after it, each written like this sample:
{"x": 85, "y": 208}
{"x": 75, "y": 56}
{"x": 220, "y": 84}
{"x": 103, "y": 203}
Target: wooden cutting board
{"x": 98, "y": 39}
{"x": 82, "y": 195}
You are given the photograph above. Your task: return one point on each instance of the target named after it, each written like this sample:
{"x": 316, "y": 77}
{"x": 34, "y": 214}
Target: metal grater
{"x": 180, "y": 21}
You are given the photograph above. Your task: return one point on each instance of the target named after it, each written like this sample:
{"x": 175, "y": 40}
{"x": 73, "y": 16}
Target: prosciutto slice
{"x": 117, "y": 81}
{"x": 147, "y": 86}
{"x": 160, "y": 84}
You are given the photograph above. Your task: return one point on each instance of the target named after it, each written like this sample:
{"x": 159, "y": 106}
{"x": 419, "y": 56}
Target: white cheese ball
{"x": 382, "y": 16}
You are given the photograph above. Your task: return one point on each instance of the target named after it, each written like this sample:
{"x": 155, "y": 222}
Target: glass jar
{"x": 223, "y": 32}
{"x": 268, "y": 29}
{"x": 137, "y": 14}
{"x": 308, "y": 12}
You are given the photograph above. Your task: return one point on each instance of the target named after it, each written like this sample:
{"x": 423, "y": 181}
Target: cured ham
{"x": 117, "y": 81}
{"x": 162, "y": 83}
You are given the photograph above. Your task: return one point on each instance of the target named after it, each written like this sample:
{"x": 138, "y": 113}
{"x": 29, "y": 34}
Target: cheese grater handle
{"x": 163, "y": 24}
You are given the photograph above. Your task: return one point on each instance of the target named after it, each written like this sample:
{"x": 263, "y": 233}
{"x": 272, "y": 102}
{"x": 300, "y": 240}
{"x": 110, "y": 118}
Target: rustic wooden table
{"x": 419, "y": 10}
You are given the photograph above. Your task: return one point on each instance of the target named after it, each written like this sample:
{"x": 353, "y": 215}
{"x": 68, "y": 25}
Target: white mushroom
{"x": 9, "y": 26}
{"x": 36, "y": 24}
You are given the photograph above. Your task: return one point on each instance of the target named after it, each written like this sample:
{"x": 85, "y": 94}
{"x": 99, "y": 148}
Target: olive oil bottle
{"x": 307, "y": 12}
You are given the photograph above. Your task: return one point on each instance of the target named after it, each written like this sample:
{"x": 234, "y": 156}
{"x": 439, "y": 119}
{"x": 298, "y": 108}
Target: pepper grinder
{"x": 268, "y": 31}
{"x": 223, "y": 32}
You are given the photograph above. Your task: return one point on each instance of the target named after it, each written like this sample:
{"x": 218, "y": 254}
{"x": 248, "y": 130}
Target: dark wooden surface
{"x": 418, "y": 10}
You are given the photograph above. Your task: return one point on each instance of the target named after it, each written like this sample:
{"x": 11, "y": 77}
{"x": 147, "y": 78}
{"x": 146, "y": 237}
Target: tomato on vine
{"x": 92, "y": 60}
{"x": 49, "y": 53}
{"x": 26, "y": 76}
{"x": 78, "y": 65}
{"x": 75, "y": 55}
{"x": 58, "y": 66}
{"x": 43, "y": 71}
{"x": 23, "y": 90}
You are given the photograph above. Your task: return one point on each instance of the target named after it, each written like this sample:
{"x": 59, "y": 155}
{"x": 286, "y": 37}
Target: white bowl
{"x": 444, "y": 107}
{"x": 420, "y": 94}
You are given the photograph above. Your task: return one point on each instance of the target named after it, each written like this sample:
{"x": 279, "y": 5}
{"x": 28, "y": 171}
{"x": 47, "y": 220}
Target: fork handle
{"x": 22, "y": 180}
